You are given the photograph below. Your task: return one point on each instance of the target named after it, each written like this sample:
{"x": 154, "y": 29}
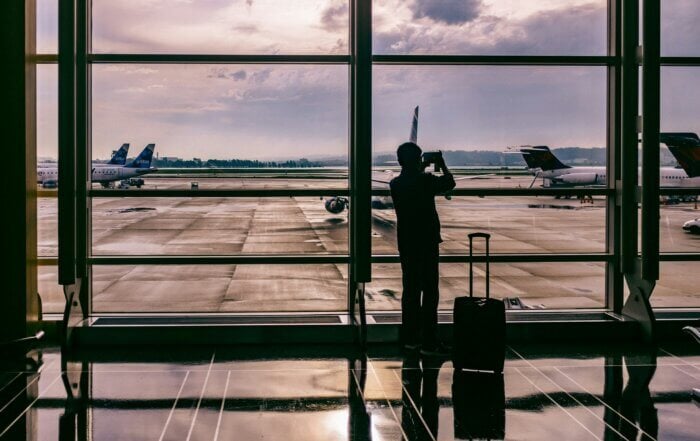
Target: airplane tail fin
{"x": 143, "y": 160}
{"x": 414, "y": 127}
{"x": 685, "y": 147}
{"x": 119, "y": 157}
{"x": 541, "y": 157}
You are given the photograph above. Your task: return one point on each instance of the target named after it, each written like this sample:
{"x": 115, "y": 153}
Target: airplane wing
{"x": 384, "y": 177}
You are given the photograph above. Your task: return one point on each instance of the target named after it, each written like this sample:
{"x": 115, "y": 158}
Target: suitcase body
{"x": 479, "y": 325}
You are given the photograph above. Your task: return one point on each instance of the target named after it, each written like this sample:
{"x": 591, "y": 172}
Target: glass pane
{"x": 679, "y": 227}
{"x": 476, "y": 114}
{"x": 210, "y": 119}
{"x": 219, "y": 288}
{"x": 490, "y": 27}
{"x": 679, "y": 28}
{"x": 679, "y": 160}
{"x": 538, "y": 285}
{"x": 47, "y": 224}
{"x": 47, "y": 156}
{"x": 677, "y": 286}
{"x": 520, "y": 224}
{"x": 47, "y": 26}
{"x": 47, "y": 112}
{"x": 52, "y": 299}
{"x": 221, "y": 26}
{"x": 217, "y": 226}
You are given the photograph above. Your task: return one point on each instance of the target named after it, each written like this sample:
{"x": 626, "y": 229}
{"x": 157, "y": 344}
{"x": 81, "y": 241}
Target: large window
{"x": 238, "y": 191}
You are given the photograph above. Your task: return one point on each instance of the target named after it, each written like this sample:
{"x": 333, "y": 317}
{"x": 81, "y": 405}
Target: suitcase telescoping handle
{"x": 486, "y": 237}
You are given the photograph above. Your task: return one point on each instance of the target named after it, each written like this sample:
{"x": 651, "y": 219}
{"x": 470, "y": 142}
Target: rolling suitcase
{"x": 479, "y": 324}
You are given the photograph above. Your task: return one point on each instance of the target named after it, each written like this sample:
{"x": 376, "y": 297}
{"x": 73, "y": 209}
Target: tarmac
{"x": 301, "y": 225}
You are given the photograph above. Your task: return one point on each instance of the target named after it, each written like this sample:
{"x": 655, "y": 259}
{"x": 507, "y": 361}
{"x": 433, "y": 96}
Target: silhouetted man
{"x": 418, "y": 230}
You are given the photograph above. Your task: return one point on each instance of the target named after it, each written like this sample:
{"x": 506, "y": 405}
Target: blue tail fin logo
{"x": 143, "y": 160}
{"x": 541, "y": 157}
{"x": 119, "y": 157}
{"x": 685, "y": 147}
{"x": 414, "y": 127}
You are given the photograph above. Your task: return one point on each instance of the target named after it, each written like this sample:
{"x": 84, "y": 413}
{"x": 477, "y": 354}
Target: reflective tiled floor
{"x": 321, "y": 393}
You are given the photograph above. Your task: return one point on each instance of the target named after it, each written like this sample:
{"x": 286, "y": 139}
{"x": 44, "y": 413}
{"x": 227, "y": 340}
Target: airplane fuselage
{"x": 581, "y": 176}
{"x": 102, "y": 173}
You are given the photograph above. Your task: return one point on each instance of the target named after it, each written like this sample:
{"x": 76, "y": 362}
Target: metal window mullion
{"x": 627, "y": 193}
{"x": 508, "y": 60}
{"x": 215, "y": 193}
{"x": 66, "y": 142}
{"x": 495, "y": 192}
{"x": 216, "y": 59}
{"x": 509, "y": 258}
{"x": 275, "y": 259}
{"x": 82, "y": 155}
{"x": 361, "y": 153}
{"x": 650, "y": 138}
{"x": 614, "y": 286}
{"x": 680, "y": 61}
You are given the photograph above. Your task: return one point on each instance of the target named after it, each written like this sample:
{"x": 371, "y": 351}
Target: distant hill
{"x": 454, "y": 158}
{"x": 568, "y": 155}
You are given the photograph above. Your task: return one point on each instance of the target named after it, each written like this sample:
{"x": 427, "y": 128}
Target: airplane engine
{"x": 580, "y": 179}
{"x": 336, "y": 205}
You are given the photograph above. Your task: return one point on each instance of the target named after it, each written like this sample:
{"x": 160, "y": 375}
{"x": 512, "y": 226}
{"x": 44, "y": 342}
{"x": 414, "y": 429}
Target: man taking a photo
{"x": 418, "y": 230}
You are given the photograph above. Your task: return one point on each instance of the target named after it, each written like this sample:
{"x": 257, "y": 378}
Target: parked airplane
{"x": 685, "y": 147}
{"x": 105, "y": 174}
{"x": 118, "y": 158}
{"x": 544, "y": 164}
{"x": 337, "y": 204}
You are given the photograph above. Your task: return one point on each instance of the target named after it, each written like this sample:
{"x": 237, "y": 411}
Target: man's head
{"x": 409, "y": 156}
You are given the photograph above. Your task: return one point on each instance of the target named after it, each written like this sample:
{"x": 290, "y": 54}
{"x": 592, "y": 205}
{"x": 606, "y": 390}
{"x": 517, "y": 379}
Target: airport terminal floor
{"x": 552, "y": 392}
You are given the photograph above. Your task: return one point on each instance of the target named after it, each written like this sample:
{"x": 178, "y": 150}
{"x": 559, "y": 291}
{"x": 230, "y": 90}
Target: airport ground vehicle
{"x": 692, "y": 226}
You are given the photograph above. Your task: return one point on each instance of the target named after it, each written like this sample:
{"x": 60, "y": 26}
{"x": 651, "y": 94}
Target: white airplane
{"x": 544, "y": 164}
{"x": 106, "y": 173}
{"x": 337, "y": 204}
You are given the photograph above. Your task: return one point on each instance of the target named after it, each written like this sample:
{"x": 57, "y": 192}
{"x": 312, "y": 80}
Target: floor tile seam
{"x": 605, "y": 405}
{"x": 24, "y": 389}
{"x": 223, "y": 404}
{"x": 386, "y": 398}
{"x": 415, "y": 407}
{"x": 559, "y": 405}
{"x": 172, "y": 410}
{"x": 30, "y": 405}
{"x": 687, "y": 373}
{"x": 683, "y": 362}
{"x": 201, "y": 396}
{"x": 546, "y": 394}
{"x": 583, "y": 406}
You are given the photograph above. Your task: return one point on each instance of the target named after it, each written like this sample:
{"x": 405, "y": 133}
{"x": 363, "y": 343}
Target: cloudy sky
{"x": 266, "y": 111}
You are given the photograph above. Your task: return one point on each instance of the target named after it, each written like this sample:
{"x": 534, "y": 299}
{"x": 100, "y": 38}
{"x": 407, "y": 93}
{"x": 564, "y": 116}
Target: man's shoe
{"x": 437, "y": 350}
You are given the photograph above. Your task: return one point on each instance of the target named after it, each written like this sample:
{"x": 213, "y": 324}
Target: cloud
{"x": 239, "y": 75}
{"x": 573, "y": 30}
{"x": 335, "y": 16}
{"x": 450, "y": 12}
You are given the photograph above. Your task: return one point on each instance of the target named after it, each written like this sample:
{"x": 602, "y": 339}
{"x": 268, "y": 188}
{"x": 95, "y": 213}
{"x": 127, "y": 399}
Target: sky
{"x": 275, "y": 112}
